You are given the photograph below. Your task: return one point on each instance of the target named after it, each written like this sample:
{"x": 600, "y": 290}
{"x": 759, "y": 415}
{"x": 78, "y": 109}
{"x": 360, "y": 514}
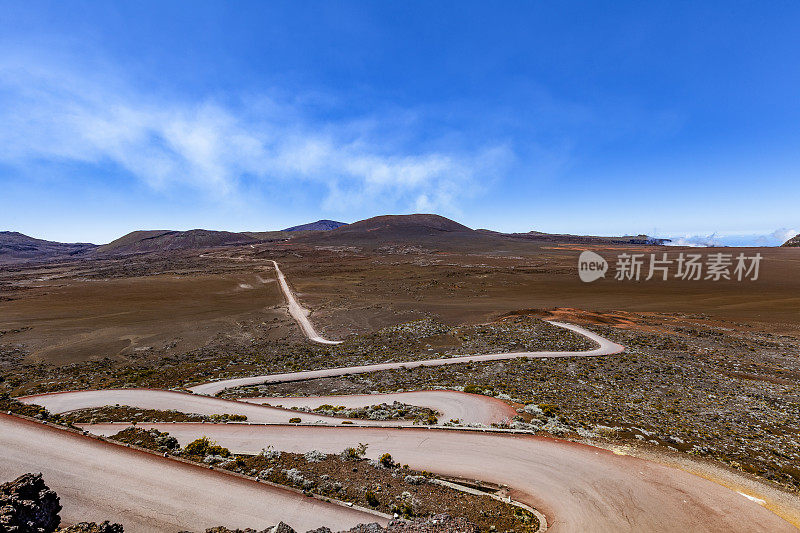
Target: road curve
{"x": 470, "y": 407}
{"x": 467, "y": 408}
{"x": 99, "y": 481}
{"x": 298, "y": 312}
{"x": 579, "y": 488}
{"x": 451, "y": 405}
{"x": 604, "y": 347}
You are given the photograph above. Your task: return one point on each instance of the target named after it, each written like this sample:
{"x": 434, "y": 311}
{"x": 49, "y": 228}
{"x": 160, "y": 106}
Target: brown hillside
{"x": 163, "y": 240}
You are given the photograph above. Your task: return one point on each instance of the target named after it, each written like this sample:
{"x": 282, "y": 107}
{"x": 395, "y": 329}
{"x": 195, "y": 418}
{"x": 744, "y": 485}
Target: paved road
{"x": 605, "y": 347}
{"x": 299, "y": 312}
{"x": 579, "y": 488}
{"x": 98, "y": 481}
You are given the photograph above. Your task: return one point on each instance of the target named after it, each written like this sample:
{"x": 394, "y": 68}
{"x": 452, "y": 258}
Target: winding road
{"x": 604, "y": 347}
{"x": 579, "y": 488}
{"x": 99, "y": 481}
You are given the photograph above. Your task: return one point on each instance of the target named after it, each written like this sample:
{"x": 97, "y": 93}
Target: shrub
{"x": 315, "y": 456}
{"x": 355, "y": 453}
{"x": 205, "y": 446}
{"x": 386, "y": 460}
{"x": 294, "y": 420}
{"x": 295, "y": 476}
{"x": 228, "y": 418}
{"x": 430, "y": 420}
{"x": 549, "y": 410}
{"x": 372, "y": 499}
{"x": 404, "y": 509}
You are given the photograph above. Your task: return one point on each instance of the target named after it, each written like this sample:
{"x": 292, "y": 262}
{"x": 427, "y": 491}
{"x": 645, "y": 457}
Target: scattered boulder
{"x": 280, "y": 528}
{"x": 368, "y": 528}
{"x": 221, "y": 529}
{"x": 92, "y": 527}
{"x": 27, "y": 505}
{"x": 440, "y": 523}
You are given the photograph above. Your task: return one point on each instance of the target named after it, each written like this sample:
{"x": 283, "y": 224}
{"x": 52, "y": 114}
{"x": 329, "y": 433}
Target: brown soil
{"x": 712, "y": 364}
{"x": 68, "y": 320}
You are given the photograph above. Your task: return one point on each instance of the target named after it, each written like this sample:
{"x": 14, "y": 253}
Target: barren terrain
{"x": 710, "y": 372}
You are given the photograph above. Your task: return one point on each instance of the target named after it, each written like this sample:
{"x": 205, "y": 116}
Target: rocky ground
{"x": 722, "y": 390}
{"x": 436, "y": 524}
{"x": 422, "y": 339}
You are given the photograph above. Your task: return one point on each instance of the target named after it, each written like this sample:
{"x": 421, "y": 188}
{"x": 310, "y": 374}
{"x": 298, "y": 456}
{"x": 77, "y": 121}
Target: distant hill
{"x": 420, "y": 229}
{"x": 404, "y": 225}
{"x": 440, "y": 233}
{"x": 393, "y": 233}
{"x": 16, "y": 247}
{"x": 319, "y": 225}
{"x": 165, "y": 240}
{"x": 644, "y": 240}
{"x": 793, "y": 242}
{"x": 391, "y": 228}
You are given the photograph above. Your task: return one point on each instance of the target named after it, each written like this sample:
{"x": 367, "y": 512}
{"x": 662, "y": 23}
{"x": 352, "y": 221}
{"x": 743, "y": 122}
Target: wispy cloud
{"x": 60, "y": 115}
{"x": 775, "y": 238}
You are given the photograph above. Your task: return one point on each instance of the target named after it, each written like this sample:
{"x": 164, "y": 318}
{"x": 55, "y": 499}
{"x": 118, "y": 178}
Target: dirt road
{"x": 605, "y": 347}
{"x": 467, "y": 408}
{"x": 451, "y": 405}
{"x": 100, "y": 481}
{"x": 579, "y": 488}
{"x": 299, "y": 312}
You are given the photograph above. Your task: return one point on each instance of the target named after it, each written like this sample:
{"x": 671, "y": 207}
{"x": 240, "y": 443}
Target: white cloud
{"x": 56, "y": 115}
{"x": 783, "y": 234}
{"x": 775, "y": 238}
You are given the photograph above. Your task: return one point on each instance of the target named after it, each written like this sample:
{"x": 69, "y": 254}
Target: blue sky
{"x": 674, "y": 118}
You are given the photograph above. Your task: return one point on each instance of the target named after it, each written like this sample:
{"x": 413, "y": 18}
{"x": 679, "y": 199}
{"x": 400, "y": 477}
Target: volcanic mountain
{"x": 402, "y": 226}
{"x": 430, "y": 231}
{"x": 165, "y": 240}
{"x": 404, "y": 232}
{"x": 793, "y": 242}
{"x": 437, "y": 232}
{"x": 16, "y": 247}
{"x": 319, "y": 225}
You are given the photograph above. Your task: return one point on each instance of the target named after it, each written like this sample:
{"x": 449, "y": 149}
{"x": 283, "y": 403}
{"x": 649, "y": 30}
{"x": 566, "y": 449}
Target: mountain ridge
{"x": 142, "y": 241}
{"x": 319, "y": 225}
{"x": 17, "y": 247}
{"x": 426, "y": 230}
